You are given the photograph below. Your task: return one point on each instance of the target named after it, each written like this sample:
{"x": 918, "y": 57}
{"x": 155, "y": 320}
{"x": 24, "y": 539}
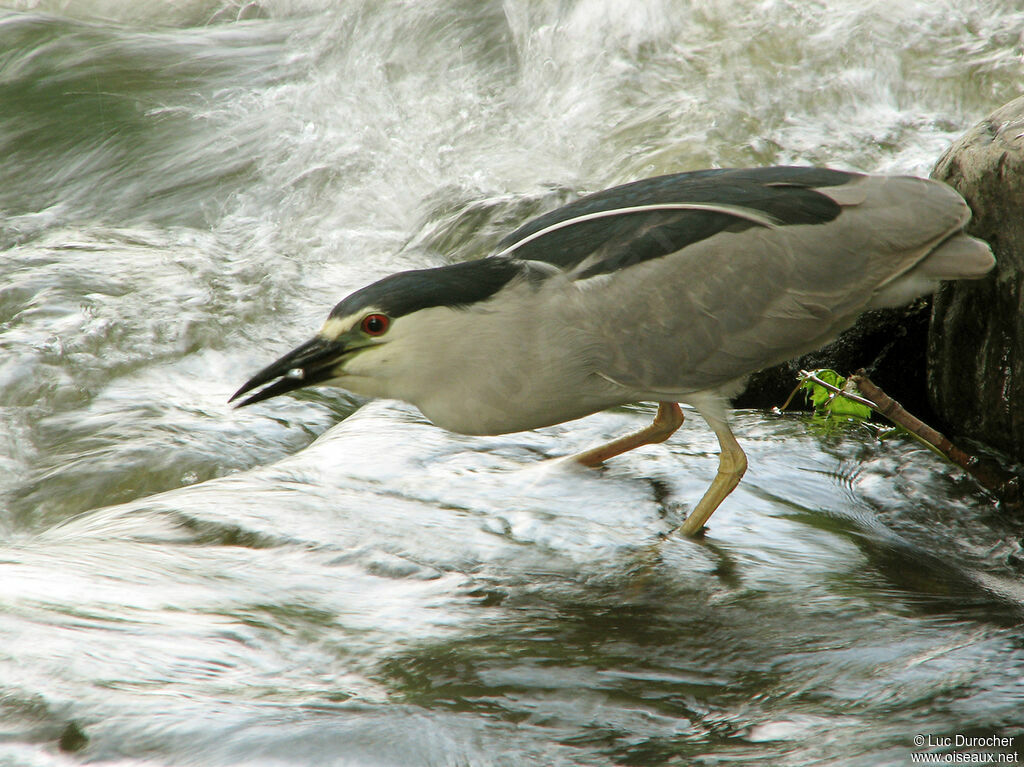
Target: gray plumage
{"x": 672, "y": 289}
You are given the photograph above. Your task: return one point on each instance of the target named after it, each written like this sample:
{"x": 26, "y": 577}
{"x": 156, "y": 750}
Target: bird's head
{"x": 388, "y": 320}
{"x": 324, "y": 358}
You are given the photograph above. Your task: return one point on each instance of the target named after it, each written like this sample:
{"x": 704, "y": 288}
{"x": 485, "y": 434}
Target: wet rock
{"x": 889, "y": 344}
{"x": 72, "y": 738}
{"x": 976, "y": 341}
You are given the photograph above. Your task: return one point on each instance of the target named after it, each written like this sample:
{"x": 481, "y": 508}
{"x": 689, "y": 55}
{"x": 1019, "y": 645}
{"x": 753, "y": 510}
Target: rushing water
{"x": 185, "y": 190}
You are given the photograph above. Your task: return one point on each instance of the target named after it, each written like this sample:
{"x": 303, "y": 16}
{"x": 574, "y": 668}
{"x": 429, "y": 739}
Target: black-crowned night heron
{"x": 670, "y": 289}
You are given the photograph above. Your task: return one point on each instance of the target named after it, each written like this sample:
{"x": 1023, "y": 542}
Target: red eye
{"x": 375, "y": 324}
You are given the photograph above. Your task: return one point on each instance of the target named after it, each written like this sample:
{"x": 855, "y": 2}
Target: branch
{"x": 990, "y": 477}
{"x": 896, "y": 413}
{"x": 806, "y": 375}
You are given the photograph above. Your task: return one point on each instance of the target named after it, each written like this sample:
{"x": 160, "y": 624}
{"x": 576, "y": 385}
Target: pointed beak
{"x": 313, "y": 362}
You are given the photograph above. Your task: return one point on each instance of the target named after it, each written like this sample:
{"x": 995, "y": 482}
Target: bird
{"x": 671, "y": 289}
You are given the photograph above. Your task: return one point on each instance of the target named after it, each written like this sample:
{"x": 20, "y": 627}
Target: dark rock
{"x": 976, "y": 343}
{"x": 889, "y": 344}
{"x": 72, "y": 738}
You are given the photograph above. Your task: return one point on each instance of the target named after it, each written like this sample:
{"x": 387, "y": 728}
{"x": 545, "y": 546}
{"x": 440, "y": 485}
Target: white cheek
{"x": 371, "y": 373}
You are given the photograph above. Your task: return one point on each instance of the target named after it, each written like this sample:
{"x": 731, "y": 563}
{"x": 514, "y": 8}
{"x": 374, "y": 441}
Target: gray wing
{"x": 632, "y": 223}
{"x": 751, "y": 294}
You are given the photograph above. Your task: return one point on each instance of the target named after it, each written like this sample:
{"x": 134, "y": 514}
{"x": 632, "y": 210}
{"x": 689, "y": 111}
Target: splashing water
{"x": 188, "y": 187}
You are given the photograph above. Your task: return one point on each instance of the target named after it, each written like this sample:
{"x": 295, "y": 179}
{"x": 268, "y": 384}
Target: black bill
{"x": 311, "y": 363}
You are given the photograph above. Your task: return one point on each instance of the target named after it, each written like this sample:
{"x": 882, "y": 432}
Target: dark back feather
{"x": 609, "y": 243}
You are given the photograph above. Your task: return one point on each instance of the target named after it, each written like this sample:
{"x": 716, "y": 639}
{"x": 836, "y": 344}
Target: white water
{"x": 187, "y": 188}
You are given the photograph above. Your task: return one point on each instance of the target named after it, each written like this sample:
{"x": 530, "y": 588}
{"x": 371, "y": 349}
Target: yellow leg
{"x": 668, "y": 419}
{"x": 732, "y": 462}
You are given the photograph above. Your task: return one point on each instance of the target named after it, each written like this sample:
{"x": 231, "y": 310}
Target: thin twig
{"x": 896, "y": 413}
{"x": 990, "y": 477}
{"x": 806, "y": 375}
{"x": 792, "y": 394}
{"x": 1004, "y": 485}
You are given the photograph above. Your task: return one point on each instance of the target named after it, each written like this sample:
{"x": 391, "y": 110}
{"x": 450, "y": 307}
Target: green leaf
{"x": 841, "y": 406}
{"x": 827, "y": 403}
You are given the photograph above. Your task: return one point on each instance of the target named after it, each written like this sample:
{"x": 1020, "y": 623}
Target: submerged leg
{"x": 666, "y": 421}
{"x": 732, "y": 462}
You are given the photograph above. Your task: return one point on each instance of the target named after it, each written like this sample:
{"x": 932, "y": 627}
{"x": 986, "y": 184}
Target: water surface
{"x": 188, "y": 188}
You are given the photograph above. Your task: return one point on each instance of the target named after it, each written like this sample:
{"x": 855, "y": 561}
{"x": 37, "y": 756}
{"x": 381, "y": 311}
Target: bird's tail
{"x": 959, "y": 257}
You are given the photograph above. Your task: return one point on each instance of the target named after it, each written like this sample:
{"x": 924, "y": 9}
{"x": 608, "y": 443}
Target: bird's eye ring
{"x": 375, "y": 324}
